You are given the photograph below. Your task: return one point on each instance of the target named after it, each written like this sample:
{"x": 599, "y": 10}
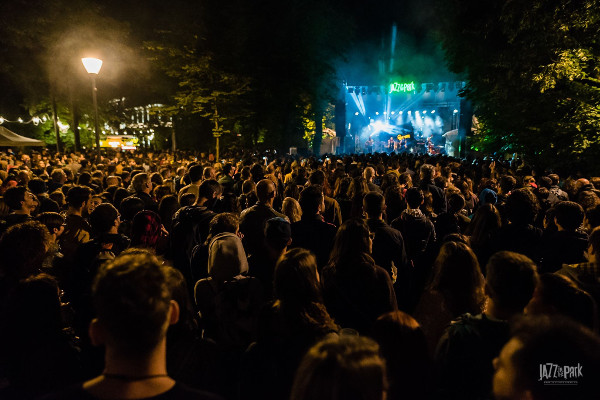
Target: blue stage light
{"x": 356, "y": 113}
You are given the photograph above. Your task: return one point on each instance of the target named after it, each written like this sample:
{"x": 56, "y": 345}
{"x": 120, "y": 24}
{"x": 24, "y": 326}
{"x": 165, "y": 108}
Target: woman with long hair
{"x": 295, "y": 321}
{"x": 482, "y": 232}
{"x": 357, "y": 190}
{"x": 457, "y": 287}
{"x": 357, "y": 291}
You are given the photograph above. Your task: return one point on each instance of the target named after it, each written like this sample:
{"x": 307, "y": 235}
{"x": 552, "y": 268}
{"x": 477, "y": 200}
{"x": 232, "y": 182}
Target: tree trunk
{"x": 318, "y": 138}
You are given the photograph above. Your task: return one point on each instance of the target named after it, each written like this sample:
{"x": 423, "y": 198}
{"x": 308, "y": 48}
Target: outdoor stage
{"x": 403, "y": 117}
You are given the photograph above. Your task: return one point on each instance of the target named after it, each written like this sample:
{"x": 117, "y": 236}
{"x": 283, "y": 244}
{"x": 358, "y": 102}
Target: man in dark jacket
{"x": 312, "y": 232}
{"x": 252, "y": 220}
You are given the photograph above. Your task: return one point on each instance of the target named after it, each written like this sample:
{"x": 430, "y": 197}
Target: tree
{"x": 533, "y": 72}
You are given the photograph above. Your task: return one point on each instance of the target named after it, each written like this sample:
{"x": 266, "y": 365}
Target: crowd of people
{"x": 177, "y": 276}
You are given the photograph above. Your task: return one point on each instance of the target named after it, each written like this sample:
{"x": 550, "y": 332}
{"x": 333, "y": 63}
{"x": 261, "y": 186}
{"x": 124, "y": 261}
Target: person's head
{"x": 223, "y": 222}
{"x": 368, "y": 174}
{"x": 209, "y": 173}
{"x": 568, "y": 215}
{"x": 317, "y": 178}
{"x": 278, "y": 234}
{"x": 228, "y": 169}
{"x": 37, "y": 186}
{"x": 133, "y": 305}
{"x": 427, "y": 172}
{"x": 195, "y": 173}
{"x": 456, "y": 202}
{"x": 53, "y": 221}
{"x": 78, "y": 197}
{"x": 105, "y": 219}
{"x": 341, "y": 368}
{"x": 414, "y": 197}
{"x": 311, "y": 200}
{"x": 484, "y": 224}
{"x": 209, "y": 191}
{"x": 291, "y": 209}
{"x": 374, "y": 204}
{"x": 58, "y": 176}
{"x": 522, "y": 206}
{"x": 548, "y": 358}
{"x": 510, "y": 281}
{"x": 226, "y": 257}
{"x": 558, "y": 295}
{"x": 113, "y": 181}
{"x": 146, "y": 229}
{"x": 507, "y": 184}
{"x": 141, "y": 183}
{"x": 457, "y": 276}
{"x": 593, "y": 250}
{"x": 19, "y": 198}
{"x": 352, "y": 242}
{"x": 130, "y": 207}
{"x": 23, "y": 248}
{"x": 296, "y": 280}
{"x": 265, "y": 191}
{"x": 161, "y": 191}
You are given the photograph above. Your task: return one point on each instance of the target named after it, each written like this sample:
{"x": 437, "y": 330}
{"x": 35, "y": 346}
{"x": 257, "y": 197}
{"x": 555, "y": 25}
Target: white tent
{"x": 10, "y": 139}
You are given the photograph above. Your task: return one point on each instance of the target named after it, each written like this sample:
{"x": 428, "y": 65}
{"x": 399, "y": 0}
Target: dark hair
{"x": 373, "y": 203}
{"x": 14, "y": 196}
{"x": 221, "y": 223}
{"x": 132, "y": 299}
{"x": 52, "y": 220}
{"x": 209, "y": 189}
{"x": 352, "y": 244}
{"x": 23, "y": 248}
{"x": 404, "y": 346}
{"x": 161, "y": 191}
{"x": 187, "y": 199}
{"x": 119, "y": 195}
{"x": 37, "y": 186}
{"x": 569, "y": 215}
{"x": 557, "y": 294}
{"x": 103, "y": 218}
{"x": 167, "y": 207}
{"x": 131, "y": 206}
{"x": 414, "y": 197}
{"x": 507, "y": 183}
{"x": 484, "y": 225}
{"x": 311, "y": 198}
{"x": 298, "y": 290}
{"x": 560, "y": 341}
{"x": 78, "y": 195}
{"x": 341, "y": 368}
{"x": 522, "y": 206}
{"x": 195, "y": 173}
{"x": 511, "y": 279}
{"x": 458, "y": 278}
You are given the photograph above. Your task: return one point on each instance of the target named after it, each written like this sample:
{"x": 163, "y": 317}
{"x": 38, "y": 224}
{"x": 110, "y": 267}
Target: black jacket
{"x": 316, "y": 235}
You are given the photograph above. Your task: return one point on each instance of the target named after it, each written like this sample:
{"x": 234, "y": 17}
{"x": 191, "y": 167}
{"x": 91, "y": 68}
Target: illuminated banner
{"x": 402, "y": 87}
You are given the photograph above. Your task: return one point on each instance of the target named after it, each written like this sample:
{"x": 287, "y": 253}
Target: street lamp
{"x": 92, "y": 66}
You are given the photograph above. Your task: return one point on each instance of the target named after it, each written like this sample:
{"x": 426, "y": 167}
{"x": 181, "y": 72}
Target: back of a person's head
{"x": 291, "y": 209}
{"x": 414, "y": 197}
{"x": 558, "y": 295}
{"x": 592, "y": 215}
{"x": 52, "y": 220}
{"x": 208, "y": 173}
{"x": 507, "y": 183}
{"x": 78, "y": 195}
{"x": 341, "y": 368}
{"x": 311, "y": 198}
{"x": 195, "y": 173}
{"x": 484, "y": 224}
{"x": 522, "y": 206}
{"x": 37, "y": 186}
{"x": 543, "y": 346}
{"x": 23, "y": 249}
{"x": 427, "y": 172}
{"x": 103, "y": 218}
{"x": 209, "y": 189}
{"x": 140, "y": 181}
{"x": 278, "y": 233}
{"x": 569, "y": 215}
{"x": 131, "y": 206}
{"x": 458, "y": 277}
{"x": 132, "y": 300}
{"x": 456, "y": 202}
{"x": 352, "y": 242}
{"x": 224, "y": 222}
{"x": 317, "y": 177}
{"x": 14, "y": 196}
{"x": 265, "y": 190}
{"x": 295, "y": 280}
{"x": 36, "y": 308}
{"x": 373, "y": 204}
{"x": 511, "y": 279}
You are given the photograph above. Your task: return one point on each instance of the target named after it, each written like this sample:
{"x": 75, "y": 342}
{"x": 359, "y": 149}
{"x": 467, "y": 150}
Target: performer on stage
{"x": 369, "y": 145}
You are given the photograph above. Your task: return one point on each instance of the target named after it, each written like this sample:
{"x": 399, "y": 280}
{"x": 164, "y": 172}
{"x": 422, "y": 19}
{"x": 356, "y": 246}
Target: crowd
{"x": 372, "y": 277}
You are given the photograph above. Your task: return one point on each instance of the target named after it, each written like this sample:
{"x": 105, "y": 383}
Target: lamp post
{"x": 92, "y": 66}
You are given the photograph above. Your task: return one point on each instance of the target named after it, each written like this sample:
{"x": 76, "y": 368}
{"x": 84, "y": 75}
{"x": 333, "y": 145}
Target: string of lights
{"x": 34, "y": 120}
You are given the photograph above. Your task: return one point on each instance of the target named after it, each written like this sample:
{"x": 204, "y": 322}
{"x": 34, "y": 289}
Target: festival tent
{"x": 10, "y": 139}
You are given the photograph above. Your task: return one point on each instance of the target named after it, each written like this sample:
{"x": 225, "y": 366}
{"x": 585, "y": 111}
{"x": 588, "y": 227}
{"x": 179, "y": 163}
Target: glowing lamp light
{"x": 1, "y": 120}
{"x": 20, "y": 120}
{"x": 409, "y": 113}
{"x": 424, "y": 111}
{"x": 376, "y": 112}
{"x": 92, "y": 65}
{"x": 385, "y": 113}
{"x": 433, "y": 111}
{"x": 393, "y": 112}
{"x": 356, "y": 113}
{"x": 402, "y": 112}
{"x": 455, "y": 111}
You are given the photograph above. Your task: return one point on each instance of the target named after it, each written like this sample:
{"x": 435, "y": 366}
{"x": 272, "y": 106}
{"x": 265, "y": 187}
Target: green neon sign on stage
{"x": 402, "y": 87}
